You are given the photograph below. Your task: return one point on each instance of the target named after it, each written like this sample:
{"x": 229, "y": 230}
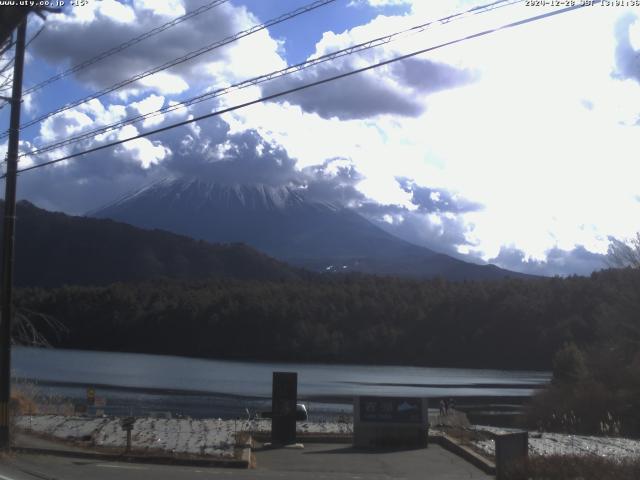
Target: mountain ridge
{"x": 53, "y": 249}
{"x": 282, "y": 223}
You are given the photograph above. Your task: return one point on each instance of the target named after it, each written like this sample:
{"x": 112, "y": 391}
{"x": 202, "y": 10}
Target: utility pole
{"x": 6, "y": 295}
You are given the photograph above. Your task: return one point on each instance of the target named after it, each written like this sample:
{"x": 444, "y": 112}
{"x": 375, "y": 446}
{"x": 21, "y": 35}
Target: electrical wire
{"x": 180, "y": 60}
{"x": 10, "y": 62}
{"x": 376, "y": 42}
{"x": 308, "y": 85}
{"x": 35, "y": 35}
{"x": 124, "y": 45}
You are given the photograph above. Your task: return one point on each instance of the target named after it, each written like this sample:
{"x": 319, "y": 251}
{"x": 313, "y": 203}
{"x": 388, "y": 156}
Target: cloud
{"x": 454, "y": 169}
{"x": 142, "y": 150}
{"x": 81, "y": 33}
{"x": 210, "y": 150}
{"x": 434, "y": 218}
{"x": 205, "y": 149}
{"x": 75, "y": 121}
{"x": 396, "y": 89}
{"x": 78, "y": 185}
{"x": 350, "y": 98}
{"x": 577, "y": 261}
{"x": 244, "y": 158}
{"x": 335, "y": 181}
{"x": 433, "y": 200}
{"x": 428, "y": 76}
{"x": 626, "y": 56}
{"x": 443, "y": 233}
{"x": 385, "y": 3}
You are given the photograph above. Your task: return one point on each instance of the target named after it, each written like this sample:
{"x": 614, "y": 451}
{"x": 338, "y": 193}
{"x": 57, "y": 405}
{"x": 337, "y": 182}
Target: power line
{"x": 376, "y": 42}
{"x": 10, "y": 62}
{"x": 308, "y": 85}
{"x": 35, "y": 35}
{"x": 179, "y": 60}
{"x": 270, "y": 76}
{"x": 125, "y": 45}
{"x": 7, "y": 47}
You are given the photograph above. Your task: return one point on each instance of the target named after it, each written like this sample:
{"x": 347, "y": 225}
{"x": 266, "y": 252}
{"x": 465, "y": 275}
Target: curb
{"x": 443, "y": 440}
{"x": 243, "y": 461}
{"x": 465, "y": 453}
{"x": 244, "y": 455}
{"x": 310, "y": 437}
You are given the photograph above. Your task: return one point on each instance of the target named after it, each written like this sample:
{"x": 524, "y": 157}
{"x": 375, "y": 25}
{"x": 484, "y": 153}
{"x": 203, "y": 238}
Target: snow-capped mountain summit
{"x": 276, "y": 220}
{"x": 253, "y": 197}
{"x": 281, "y": 222}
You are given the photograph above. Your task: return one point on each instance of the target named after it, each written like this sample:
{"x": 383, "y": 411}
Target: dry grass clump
{"x": 242, "y": 439}
{"x": 569, "y": 467}
{"x": 22, "y": 403}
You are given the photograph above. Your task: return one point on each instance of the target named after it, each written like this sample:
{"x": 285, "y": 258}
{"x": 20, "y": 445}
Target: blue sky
{"x": 300, "y": 37}
{"x": 506, "y": 149}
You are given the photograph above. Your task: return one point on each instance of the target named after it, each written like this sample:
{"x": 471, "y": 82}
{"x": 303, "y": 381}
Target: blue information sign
{"x": 391, "y": 409}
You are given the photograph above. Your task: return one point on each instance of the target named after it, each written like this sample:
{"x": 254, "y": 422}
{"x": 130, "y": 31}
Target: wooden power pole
{"x": 6, "y": 294}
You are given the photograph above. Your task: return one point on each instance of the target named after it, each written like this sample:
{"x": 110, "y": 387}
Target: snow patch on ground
{"x": 217, "y": 437}
{"x": 264, "y": 426}
{"x": 563, "y": 444}
{"x": 204, "y": 437}
{"x": 176, "y": 435}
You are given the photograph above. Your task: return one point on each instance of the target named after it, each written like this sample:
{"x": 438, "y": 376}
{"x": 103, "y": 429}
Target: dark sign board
{"x": 510, "y": 448}
{"x": 283, "y": 407}
{"x": 127, "y": 423}
{"x": 391, "y": 409}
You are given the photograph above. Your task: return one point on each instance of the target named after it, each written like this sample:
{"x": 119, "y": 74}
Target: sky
{"x": 517, "y": 148}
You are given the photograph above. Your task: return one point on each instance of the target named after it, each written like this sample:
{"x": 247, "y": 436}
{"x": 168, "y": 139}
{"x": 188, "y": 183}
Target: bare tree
{"x": 27, "y": 325}
{"x": 624, "y": 253}
{"x": 6, "y": 77}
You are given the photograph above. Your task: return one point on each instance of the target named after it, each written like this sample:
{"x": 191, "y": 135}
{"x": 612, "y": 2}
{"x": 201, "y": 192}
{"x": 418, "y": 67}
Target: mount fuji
{"x": 281, "y": 222}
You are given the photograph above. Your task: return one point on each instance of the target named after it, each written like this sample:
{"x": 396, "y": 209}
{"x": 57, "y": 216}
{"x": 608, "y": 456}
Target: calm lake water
{"x": 200, "y": 387}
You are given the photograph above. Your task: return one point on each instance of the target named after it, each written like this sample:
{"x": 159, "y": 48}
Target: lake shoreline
{"x": 315, "y": 398}
{"x": 128, "y": 383}
{"x": 259, "y": 361}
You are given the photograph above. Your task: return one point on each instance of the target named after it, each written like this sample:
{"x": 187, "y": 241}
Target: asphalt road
{"x": 315, "y": 461}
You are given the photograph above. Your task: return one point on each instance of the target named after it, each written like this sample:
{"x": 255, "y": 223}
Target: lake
{"x": 141, "y": 383}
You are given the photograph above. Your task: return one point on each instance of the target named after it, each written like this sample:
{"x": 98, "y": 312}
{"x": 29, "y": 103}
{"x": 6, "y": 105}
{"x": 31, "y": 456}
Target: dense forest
{"x": 508, "y": 324}
{"x": 595, "y": 390}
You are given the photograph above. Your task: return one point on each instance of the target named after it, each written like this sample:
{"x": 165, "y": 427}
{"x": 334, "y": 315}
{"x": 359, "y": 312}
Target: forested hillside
{"x": 53, "y": 249}
{"x": 364, "y": 319}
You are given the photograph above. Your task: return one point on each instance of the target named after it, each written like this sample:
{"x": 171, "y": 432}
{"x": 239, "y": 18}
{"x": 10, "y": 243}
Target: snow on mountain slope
{"x": 281, "y": 222}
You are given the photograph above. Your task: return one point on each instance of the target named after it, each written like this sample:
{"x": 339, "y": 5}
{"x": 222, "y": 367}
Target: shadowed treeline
{"x": 508, "y": 324}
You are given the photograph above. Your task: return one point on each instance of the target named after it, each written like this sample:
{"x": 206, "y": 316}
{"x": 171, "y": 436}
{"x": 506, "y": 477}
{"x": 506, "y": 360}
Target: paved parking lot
{"x": 314, "y": 462}
{"x": 343, "y": 461}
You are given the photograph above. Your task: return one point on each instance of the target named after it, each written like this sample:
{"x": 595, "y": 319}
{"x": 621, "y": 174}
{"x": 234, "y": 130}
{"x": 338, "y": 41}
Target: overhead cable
{"x": 179, "y": 60}
{"x": 308, "y": 85}
{"x": 376, "y": 42}
{"x": 124, "y": 46}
